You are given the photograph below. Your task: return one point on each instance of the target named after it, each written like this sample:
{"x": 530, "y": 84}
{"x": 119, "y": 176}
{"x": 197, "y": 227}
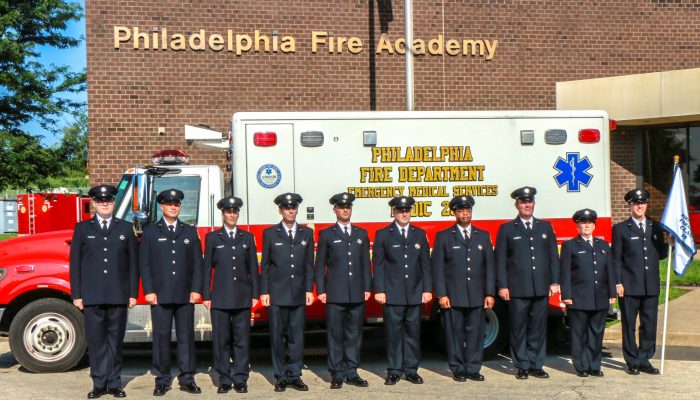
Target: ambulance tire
{"x": 495, "y": 331}
{"x": 48, "y": 335}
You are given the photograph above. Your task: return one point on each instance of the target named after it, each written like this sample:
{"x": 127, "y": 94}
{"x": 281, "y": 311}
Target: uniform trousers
{"x": 646, "y": 307}
{"x": 105, "y": 326}
{"x": 162, "y": 316}
{"x": 344, "y": 323}
{"x": 402, "y": 324}
{"x": 528, "y": 331}
{"x": 231, "y": 336}
{"x": 464, "y": 338}
{"x": 587, "y": 330}
{"x": 287, "y": 325}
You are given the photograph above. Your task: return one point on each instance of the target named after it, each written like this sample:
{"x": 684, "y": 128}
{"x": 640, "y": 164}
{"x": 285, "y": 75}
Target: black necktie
{"x": 230, "y": 234}
{"x": 641, "y": 227}
{"x": 104, "y": 224}
{"x": 466, "y": 234}
{"x": 291, "y": 237}
{"x": 171, "y": 228}
{"x": 403, "y": 233}
{"x": 347, "y": 232}
{"x": 529, "y": 229}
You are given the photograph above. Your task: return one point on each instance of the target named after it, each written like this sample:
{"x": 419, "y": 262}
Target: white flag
{"x": 675, "y": 220}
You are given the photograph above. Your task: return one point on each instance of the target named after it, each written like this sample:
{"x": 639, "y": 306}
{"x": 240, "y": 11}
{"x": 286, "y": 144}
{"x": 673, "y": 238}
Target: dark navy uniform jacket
{"x": 342, "y": 265}
{"x": 287, "y": 266}
{"x": 401, "y": 266}
{"x": 234, "y": 264}
{"x": 636, "y": 256}
{"x": 104, "y": 265}
{"x": 463, "y": 270}
{"x": 525, "y": 264}
{"x": 171, "y": 263}
{"x": 587, "y": 274}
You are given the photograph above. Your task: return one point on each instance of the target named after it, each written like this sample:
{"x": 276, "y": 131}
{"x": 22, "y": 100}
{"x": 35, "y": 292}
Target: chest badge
{"x": 122, "y": 237}
{"x": 418, "y": 246}
{"x": 480, "y": 247}
{"x": 245, "y": 246}
{"x": 544, "y": 236}
{"x": 303, "y": 242}
{"x": 187, "y": 241}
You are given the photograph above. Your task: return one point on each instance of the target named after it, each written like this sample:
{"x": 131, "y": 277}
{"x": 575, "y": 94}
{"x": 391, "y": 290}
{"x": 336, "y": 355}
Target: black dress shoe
{"x": 521, "y": 374}
{"x": 160, "y": 389}
{"x": 596, "y": 372}
{"x": 414, "y": 378}
{"x": 459, "y": 377}
{"x": 117, "y": 392}
{"x": 632, "y": 370}
{"x": 582, "y": 374}
{"x": 538, "y": 373}
{"x": 280, "y": 386}
{"x": 392, "y": 379}
{"x": 649, "y": 369}
{"x": 95, "y": 393}
{"x": 191, "y": 388}
{"x": 356, "y": 381}
{"x": 336, "y": 383}
{"x": 475, "y": 377}
{"x": 298, "y": 384}
{"x": 223, "y": 389}
{"x": 241, "y": 387}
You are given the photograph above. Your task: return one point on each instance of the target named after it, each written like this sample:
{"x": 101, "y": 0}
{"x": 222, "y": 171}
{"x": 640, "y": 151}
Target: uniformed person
{"x": 170, "y": 260}
{"x": 104, "y": 281}
{"x": 286, "y": 287}
{"x": 527, "y": 272}
{"x": 587, "y": 288}
{"x": 464, "y": 274}
{"x": 638, "y": 245}
{"x": 402, "y": 282}
{"x": 232, "y": 257}
{"x": 343, "y": 283}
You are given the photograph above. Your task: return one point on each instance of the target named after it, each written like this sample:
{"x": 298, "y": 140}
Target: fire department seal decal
{"x": 269, "y": 176}
{"x": 122, "y": 237}
{"x": 187, "y": 241}
{"x": 417, "y": 245}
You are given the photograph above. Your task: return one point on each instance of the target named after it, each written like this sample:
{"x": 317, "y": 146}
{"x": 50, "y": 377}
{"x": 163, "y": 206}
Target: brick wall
{"x": 133, "y": 92}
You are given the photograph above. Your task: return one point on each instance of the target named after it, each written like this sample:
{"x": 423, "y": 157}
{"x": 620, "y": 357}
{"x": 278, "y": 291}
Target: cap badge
{"x": 526, "y": 190}
{"x": 289, "y": 197}
{"x": 403, "y": 200}
{"x": 103, "y": 189}
{"x": 345, "y": 197}
{"x": 587, "y": 212}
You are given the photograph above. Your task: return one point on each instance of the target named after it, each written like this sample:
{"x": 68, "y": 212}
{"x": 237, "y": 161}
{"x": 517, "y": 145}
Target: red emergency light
{"x": 170, "y": 157}
{"x": 265, "y": 139}
{"x": 589, "y": 136}
{"x": 613, "y": 125}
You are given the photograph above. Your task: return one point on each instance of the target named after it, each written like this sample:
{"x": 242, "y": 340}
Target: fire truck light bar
{"x": 170, "y": 157}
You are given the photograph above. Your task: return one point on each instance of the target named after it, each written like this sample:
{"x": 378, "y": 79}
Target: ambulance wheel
{"x": 495, "y": 330}
{"x": 47, "y": 335}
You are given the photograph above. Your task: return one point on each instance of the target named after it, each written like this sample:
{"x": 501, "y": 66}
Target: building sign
{"x": 320, "y": 42}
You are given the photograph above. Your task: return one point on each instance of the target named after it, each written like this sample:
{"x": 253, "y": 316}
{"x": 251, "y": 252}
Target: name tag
{"x": 396, "y": 245}
{"x": 220, "y": 247}
{"x": 517, "y": 238}
{"x": 90, "y": 237}
{"x": 337, "y": 241}
{"x": 582, "y": 252}
{"x": 162, "y": 239}
{"x": 634, "y": 238}
{"x": 456, "y": 247}
{"x": 279, "y": 244}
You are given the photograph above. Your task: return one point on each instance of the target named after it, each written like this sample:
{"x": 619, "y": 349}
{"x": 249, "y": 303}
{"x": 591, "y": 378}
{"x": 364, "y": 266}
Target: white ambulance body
{"x": 431, "y": 156}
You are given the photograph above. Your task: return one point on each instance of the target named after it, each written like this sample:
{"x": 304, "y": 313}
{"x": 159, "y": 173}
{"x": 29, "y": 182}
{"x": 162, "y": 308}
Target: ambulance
{"x": 431, "y": 156}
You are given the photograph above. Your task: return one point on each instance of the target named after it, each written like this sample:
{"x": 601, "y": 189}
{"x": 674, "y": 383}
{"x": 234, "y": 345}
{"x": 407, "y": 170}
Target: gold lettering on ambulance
{"x": 427, "y": 191}
{"x": 375, "y": 174}
{"x": 377, "y": 192}
{"x": 421, "y": 209}
{"x": 451, "y": 173}
{"x": 422, "y": 154}
{"x": 475, "y": 190}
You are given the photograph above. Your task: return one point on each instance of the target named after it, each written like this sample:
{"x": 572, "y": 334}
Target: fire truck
{"x": 431, "y": 156}
{"x": 43, "y": 212}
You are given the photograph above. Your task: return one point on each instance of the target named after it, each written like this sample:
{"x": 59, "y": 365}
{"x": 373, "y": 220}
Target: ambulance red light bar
{"x": 589, "y": 136}
{"x": 170, "y": 157}
{"x": 265, "y": 139}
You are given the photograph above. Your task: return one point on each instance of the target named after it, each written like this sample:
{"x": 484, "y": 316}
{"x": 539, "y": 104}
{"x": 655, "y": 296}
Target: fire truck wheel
{"x": 47, "y": 335}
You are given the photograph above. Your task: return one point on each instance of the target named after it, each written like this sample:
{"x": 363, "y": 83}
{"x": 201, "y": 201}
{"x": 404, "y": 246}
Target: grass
{"x": 5, "y": 236}
{"x": 691, "y": 277}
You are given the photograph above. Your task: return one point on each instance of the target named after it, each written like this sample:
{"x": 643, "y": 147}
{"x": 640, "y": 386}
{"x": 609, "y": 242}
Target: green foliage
{"x": 28, "y": 89}
{"x": 691, "y": 277}
{"x": 5, "y": 236}
{"x": 24, "y": 163}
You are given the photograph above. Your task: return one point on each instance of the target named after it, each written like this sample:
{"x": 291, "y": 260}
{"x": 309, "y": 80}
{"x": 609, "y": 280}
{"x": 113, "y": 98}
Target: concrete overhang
{"x": 642, "y": 99}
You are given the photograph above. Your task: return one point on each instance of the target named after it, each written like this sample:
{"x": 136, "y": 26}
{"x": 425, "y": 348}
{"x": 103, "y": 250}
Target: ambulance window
{"x": 189, "y": 209}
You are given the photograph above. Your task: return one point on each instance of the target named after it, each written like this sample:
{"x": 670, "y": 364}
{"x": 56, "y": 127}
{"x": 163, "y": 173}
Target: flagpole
{"x": 676, "y": 159}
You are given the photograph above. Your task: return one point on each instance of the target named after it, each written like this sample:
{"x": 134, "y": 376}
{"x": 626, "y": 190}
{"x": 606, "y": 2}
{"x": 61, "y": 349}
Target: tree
{"x": 24, "y": 162}
{"x": 28, "y": 89}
